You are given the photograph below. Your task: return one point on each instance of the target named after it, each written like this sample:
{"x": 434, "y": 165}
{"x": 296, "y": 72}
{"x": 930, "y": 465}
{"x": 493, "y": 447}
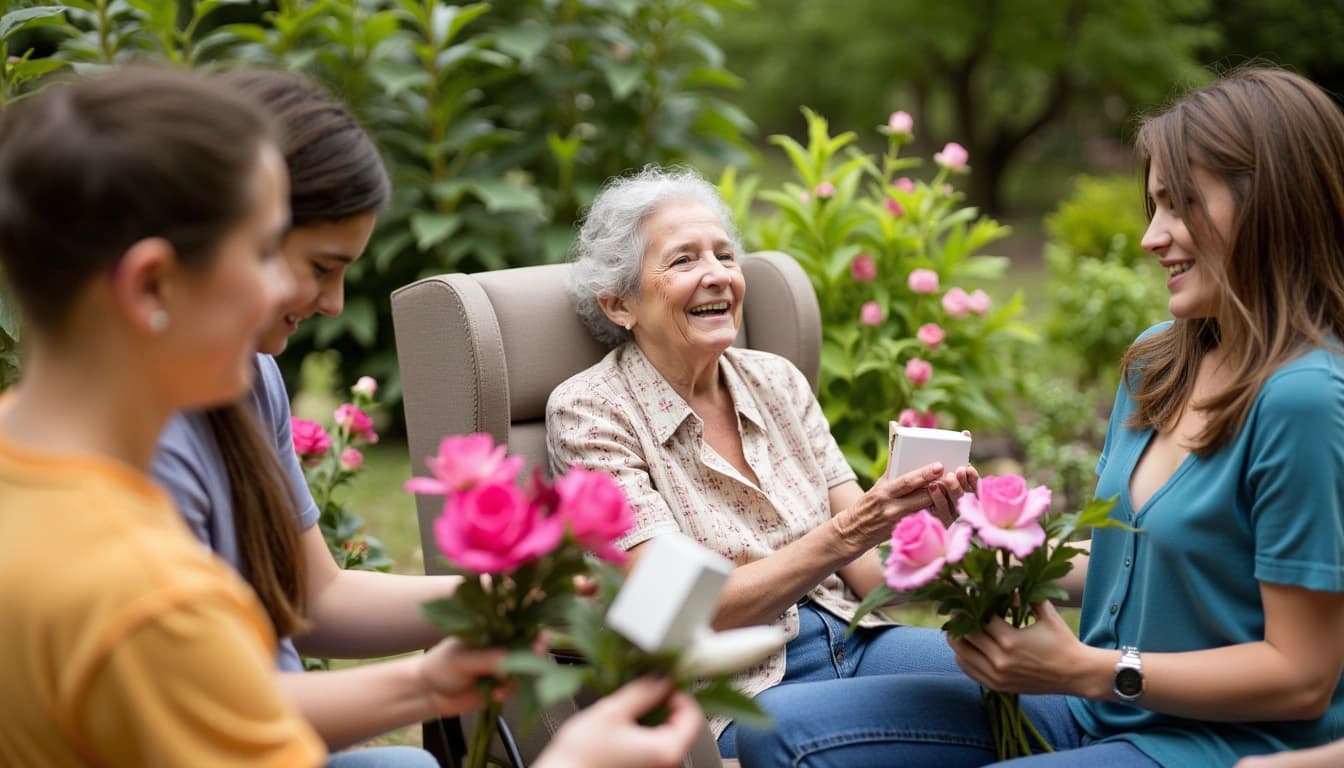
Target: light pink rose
{"x": 978, "y": 302}
{"x": 366, "y": 386}
{"x": 901, "y": 122}
{"x": 863, "y": 268}
{"x": 931, "y": 334}
{"x": 923, "y": 281}
{"x": 804, "y": 198}
{"x": 918, "y": 371}
{"x": 493, "y": 528}
{"x": 355, "y": 423}
{"x": 912, "y": 418}
{"x": 920, "y": 547}
{"x": 825, "y": 190}
{"x": 904, "y": 184}
{"x": 953, "y": 157}
{"x": 895, "y": 208}
{"x": 871, "y": 313}
{"x": 595, "y": 508}
{"x": 351, "y": 459}
{"x": 465, "y": 461}
{"x": 956, "y": 303}
{"x": 311, "y": 441}
{"x": 1006, "y": 514}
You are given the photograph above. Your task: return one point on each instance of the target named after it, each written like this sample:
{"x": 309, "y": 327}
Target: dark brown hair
{"x": 1277, "y": 141}
{"x": 89, "y": 168}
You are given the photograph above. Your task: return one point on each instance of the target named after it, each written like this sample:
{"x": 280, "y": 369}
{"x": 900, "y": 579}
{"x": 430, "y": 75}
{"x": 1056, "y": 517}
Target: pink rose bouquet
{"x": 1003, "y": 555}
{"x": 518, "y": 548}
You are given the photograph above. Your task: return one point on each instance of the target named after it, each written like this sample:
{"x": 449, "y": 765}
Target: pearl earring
{"x": 158, "y": 321}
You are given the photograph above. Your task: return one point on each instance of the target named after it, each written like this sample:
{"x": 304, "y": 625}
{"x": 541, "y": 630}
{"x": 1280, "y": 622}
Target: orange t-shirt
{"x": 125, "y": 641}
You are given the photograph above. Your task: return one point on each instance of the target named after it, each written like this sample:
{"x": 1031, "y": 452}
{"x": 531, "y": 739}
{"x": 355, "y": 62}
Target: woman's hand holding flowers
{"x": 1042, "y": 657}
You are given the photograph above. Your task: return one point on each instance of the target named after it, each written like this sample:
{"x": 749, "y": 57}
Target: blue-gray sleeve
{"x": 188, "y": 466}
{"x": 273, "y": 408}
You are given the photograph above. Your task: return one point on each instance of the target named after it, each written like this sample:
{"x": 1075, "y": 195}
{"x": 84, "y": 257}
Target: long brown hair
{"x": 334, "y": 173}
{"x": 1277, "y": 141}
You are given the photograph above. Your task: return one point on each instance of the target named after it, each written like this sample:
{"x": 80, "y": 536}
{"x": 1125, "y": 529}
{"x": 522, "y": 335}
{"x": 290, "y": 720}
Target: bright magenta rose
{"x": 871, "y": 313}
{"x": 863, "y": 268}
{"x": 311, "y": 441}
{"x": 956, "y": 302}
{"x": 465, "y": 461}
{"x": 918, "y": 371}
{"x": 923, "y": 281}
{"x": 894, "y": 207}
{"x": 1006, "y": 514}
{"x": 494, "y": 528}
{"x": 931, "y": 334}
{"x": 355, "y": 422}
{"x": 595, "y": 508}
{"x": 920, "y": 547}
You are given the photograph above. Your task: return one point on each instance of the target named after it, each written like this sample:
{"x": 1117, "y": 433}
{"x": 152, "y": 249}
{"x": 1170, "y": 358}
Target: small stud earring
{"x": 158, "y": 321}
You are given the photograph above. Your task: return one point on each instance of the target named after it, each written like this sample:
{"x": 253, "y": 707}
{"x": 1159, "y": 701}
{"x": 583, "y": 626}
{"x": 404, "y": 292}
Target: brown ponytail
{"x": 263, "y": 505}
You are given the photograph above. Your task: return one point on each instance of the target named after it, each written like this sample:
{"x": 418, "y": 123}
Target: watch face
{"x": 1128, "y": 681}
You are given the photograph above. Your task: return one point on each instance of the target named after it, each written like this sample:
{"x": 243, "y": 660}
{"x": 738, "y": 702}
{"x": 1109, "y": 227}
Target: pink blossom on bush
{"x": 494, "y": 528}
{"x": 366, "y": 386}
{"x": 465, "y": 461}
{"x": 825, "y": 190}
{"x": 920, "y": 547}
{"x": 978, "y": 302}
{"x": 918, "y": 371}
{"x": 904, "y": 184}
{"x": 351, "y": 459}
{"x": 923, "y": 281}
{"x": 871, "y": 313}
{"x": 895, "y": 208}
{"x": 901, "y": 122}
{"x": 912, "y": 418}
{"x": 311, "y": 441}
{"x": 594, "y": 506}
{"x": 863, "y": 268}
{"x": 804, "y": 198}
{"x": 1006, "y": 514}
{"x": 953, "y": 157}
{"x": 956, "y": 303}
{"x": 355, "y": 423}
{"x": 931, "y": 334}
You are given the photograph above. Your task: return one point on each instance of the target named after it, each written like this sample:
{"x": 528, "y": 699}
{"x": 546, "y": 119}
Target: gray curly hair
{"x": 609, "y": 251}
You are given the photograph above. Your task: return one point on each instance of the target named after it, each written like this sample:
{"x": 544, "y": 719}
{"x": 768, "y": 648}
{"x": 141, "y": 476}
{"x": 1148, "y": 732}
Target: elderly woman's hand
{"x": 869, "y": 521}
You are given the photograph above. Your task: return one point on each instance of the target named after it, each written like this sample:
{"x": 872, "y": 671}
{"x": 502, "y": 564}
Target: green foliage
{"x": 498, "y": 122}
{"x": 902, "y": 226}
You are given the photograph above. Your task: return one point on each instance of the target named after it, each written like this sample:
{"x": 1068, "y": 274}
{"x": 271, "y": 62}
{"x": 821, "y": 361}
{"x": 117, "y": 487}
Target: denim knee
{"x": 383, "y": 757}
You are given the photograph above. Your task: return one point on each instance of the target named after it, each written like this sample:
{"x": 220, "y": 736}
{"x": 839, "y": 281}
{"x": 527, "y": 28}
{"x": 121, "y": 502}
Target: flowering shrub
{"x": 1004, "y": 555}
{"x": 895, "y": 263}
{"x": 331, "y": 459}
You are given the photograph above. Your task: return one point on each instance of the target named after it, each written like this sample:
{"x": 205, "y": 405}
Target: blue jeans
{"x": 383, "y": 757}
{"x": 893, "y": 696}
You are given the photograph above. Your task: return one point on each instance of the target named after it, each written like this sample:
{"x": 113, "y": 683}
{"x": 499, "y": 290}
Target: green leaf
{"x": 523, "y": 42}
{"x": 877, "y": 597}
{"x": 622, "y": 77}
{"x": 15, "y": 20}
{"x": 430, "y": 229}
{"x": 451, "y": 616}
{"x": 720, "y": 698}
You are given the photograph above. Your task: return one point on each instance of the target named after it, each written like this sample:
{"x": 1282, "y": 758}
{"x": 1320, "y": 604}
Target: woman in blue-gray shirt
{"x": 1217, "y": 631}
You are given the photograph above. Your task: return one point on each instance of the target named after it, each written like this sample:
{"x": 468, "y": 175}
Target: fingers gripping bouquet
{"x": 1003, "y": 556}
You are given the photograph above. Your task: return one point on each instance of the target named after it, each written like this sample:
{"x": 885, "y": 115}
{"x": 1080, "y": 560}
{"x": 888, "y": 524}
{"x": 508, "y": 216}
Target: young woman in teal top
{"x": 1217, "y": 630}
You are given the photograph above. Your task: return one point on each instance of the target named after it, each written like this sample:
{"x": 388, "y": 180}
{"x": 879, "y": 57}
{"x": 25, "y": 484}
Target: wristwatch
{"x": 1129, "y": 674}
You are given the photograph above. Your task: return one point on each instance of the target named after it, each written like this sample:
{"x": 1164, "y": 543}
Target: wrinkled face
{"x": 1191, "y": 268}
{"x": 318, "y": 254}
{"x": 217, "y": 321}
{"x": 691, "y": 285}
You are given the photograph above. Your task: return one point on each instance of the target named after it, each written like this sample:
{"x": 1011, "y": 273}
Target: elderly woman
{"x": 729, "y": 446}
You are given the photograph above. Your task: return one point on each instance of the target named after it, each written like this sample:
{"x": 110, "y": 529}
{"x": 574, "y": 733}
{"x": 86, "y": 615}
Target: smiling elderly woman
{"x": 729, "y": 445}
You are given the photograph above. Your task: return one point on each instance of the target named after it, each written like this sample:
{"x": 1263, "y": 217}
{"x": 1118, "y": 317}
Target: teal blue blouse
{"x": 1267, "y": 507}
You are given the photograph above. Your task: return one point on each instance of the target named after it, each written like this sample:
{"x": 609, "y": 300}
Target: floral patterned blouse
{"x": 622, "y": 417}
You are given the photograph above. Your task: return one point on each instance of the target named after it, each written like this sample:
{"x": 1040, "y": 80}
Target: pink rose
{"x": 1005, "y": 513}
{"x": 918, "y": 371}
{"x": 367, "y": 387}
{"x": 311, "y": 441}
{"x": 351, "y": 459}
{"x": 355, "y": 423}
{"x": 465, "y": 461}
{"x": 904, "y": 184}
{"x": 825, "y": 190}
{"x": 864, "y": 268}
{"x": 901, "y": 123}
{"x": 595, "y": 508}
{"x": 912, "y": 418}
{"x": 920, "y": 547}
{"x": 493, "y": 528}
{"x": 871, "y": 313}
{"x": 978, "y": 302}
{"x": 895, "y": 208}
{"x": 956, "y": 303}
{"x": 804, "y": 198}
{"x": 953, "y": 157}
{"x": 931, "y": 335}
{"x": 923, "y": 281}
